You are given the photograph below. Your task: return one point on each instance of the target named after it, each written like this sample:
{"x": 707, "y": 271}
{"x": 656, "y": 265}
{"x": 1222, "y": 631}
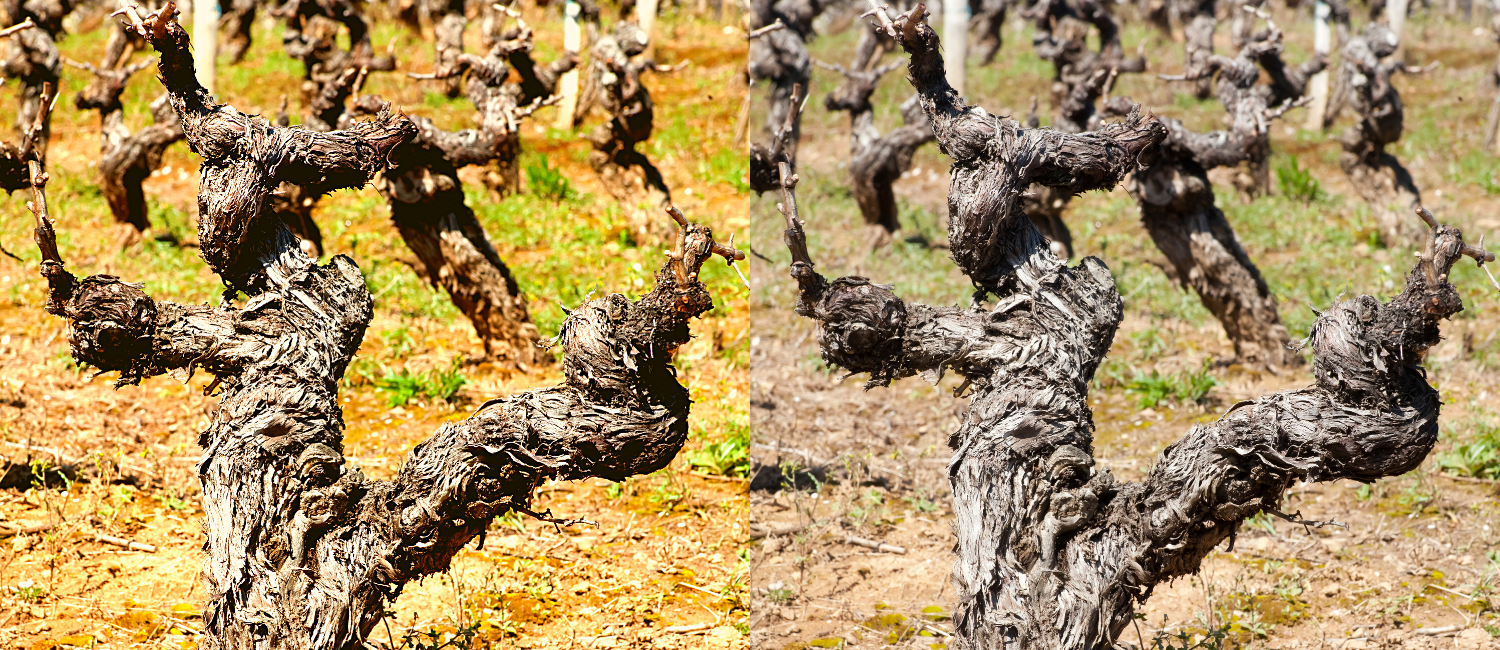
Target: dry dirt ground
{"x": 662, "y": 569}
{"x": 1417, "y": 564}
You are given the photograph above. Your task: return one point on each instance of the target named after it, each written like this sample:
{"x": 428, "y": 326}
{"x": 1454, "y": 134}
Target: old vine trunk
{"x": 876, "y": 161}
{"x": 1053, "y": 552}
{"x": 1376, "y": 174}
{"x": 126, "y": 159}
{"x": 304, "y": 551}
{"x": 1178, "y": 206}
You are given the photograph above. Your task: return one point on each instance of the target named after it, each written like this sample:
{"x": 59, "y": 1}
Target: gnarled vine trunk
{"x": 1053, "y": 552}
{"x": 33, "y": 60}
{"x": 1377, "y": 176}
{"x": 330, "y": 74}
{"x": 876, "y": 161}
{"x": 1198, "y": 24}
{"x": 1178, "y": 206}
{"x": 448, "y": 24}
{"x": 781, "y": 58}
{"x": 126, "y": 159}
{"x": 1079, "y": 78}
{"x": 427, "y": 198}
{"x": 310, "y": 35}
{"x": 627, "y": 101}
{"x": 303, "y": 551}
{"x": 987, "y": 21}
{"x": 237, "y": 17}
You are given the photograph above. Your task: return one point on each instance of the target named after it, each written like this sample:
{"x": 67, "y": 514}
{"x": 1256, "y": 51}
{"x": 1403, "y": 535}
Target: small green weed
{"x": 781, "y": 595}
{"x": 920, "y": 504}
{"x": 29, "y": 591}
{"x": 1479, "y": 458}
{"x": 614, "y": 491}
{"x": 1149, "y": 344}
{"x": 1263, "y": 521}
{"x": 435, "y": 639}
{"x": 666, "y": 493}
{"x": 398, "y": 342}
{"x": 548, "y": 181}
{"x": 729, "y": 457}
{"x": 1184, "y": 640}
{"x": 1153, "y": 388}
{"x": 404, "y": 385}
{"x": 1297, "y": 183}
{"x": 173, "y": 503}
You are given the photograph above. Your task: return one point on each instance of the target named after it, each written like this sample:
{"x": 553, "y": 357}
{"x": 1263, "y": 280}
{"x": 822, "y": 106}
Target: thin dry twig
{"x": 872, "y": 544}
{"x": 546, "y": 516}
{"x": 18, "y": 27}
{"x": 124, "y": 543}
{"x": 757, "y": 33}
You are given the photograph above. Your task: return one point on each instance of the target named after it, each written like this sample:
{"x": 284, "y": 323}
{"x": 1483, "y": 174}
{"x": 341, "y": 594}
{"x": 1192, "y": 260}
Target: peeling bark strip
{"x": 1053, "y": 552}
{"x": 126, "y": 159}
{"x": 304, "y": 552}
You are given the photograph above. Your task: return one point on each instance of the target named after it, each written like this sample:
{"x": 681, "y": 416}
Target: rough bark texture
{"x": 303, "y": 551}
{"x": 876, "y": 161}
{"x": 126, "y": 159}
{"x": 1378, "y": 177}
{"x": 32, "y": 59}
{"x": 1053, "y": 552}
{"x": 617, "y": 76}
{"x": 427, "y": 197}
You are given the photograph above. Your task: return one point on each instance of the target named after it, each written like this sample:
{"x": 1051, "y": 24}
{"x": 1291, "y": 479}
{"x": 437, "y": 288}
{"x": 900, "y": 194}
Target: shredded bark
{"x": 302, "y": 550}
{"x": 1054, "y": 552}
